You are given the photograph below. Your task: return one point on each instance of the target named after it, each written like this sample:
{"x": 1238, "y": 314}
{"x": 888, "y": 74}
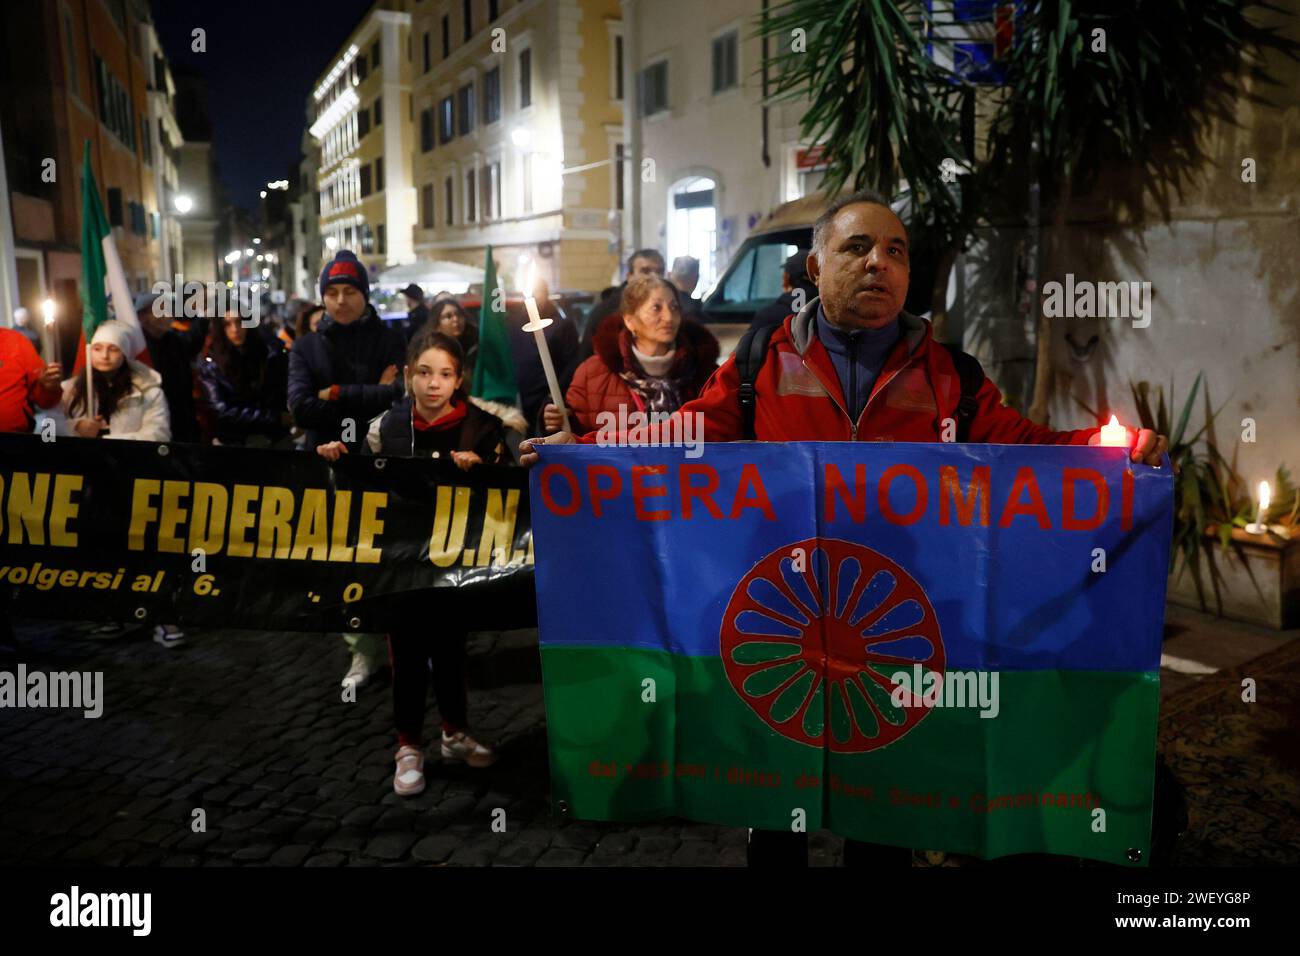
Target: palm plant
{"x": 1069, "y": 109}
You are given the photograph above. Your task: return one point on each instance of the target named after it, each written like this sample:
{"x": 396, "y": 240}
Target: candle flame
{"x": 47, "y": 307}
{"x": 530, "y": 280}
{"x": 1265, "y": 495}
{"x": 1113, "y": 423}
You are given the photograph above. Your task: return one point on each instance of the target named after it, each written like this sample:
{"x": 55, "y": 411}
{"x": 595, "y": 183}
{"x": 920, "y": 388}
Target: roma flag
{"x": 494, "y": 370}
{"x": 950, "y": 647}
{"x": 102, "y": 275}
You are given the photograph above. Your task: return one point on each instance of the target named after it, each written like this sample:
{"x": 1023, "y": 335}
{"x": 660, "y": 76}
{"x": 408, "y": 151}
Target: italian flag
{"x": 102, "y": 278}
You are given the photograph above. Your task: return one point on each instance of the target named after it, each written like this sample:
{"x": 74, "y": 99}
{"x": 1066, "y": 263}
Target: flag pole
{"x": 90, "y": 386}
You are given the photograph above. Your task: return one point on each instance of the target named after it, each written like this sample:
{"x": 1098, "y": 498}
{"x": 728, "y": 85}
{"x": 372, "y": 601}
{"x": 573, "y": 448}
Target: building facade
{"x": 94, "y": 73}
{"x": 360, "y": 120}
{"x": 711, "y": 156}
{"x": 518, "y": 131}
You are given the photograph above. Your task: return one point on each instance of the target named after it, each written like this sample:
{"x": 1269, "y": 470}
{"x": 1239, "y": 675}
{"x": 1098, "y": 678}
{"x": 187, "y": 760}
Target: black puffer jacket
{"x": 253, "y": 406}
{"x": 481, "y": 432}
{"x": 351, "y": 357}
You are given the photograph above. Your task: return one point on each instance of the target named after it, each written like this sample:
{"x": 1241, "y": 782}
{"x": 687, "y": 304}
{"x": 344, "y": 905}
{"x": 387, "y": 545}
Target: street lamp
{"x": 183, "y": 204}
{"x": 331, "y": 242}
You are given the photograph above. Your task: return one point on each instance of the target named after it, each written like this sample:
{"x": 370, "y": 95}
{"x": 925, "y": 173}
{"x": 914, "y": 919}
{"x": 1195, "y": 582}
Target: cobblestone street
{"x": 250, "y": 727}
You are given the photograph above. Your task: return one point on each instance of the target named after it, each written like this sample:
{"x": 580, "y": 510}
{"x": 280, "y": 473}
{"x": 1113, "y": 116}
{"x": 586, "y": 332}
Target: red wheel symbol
{"x": 812, "y": 651}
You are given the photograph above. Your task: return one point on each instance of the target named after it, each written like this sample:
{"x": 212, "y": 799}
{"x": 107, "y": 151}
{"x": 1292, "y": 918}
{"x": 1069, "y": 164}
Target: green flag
{"x": 494, "y": 371}
{"x": 100, "y": 266}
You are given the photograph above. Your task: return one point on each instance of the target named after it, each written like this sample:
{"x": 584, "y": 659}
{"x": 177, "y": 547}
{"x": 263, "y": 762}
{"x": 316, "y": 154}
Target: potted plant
{"x": 1253, "y": 577}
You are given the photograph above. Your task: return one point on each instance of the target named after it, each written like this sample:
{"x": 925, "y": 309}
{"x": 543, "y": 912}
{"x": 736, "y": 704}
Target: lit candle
{"x": 1113, "y": 434}
{"x": 49, "y": 334}
{"x": 1265, "y": 496}
{"x": 535, "y": 325}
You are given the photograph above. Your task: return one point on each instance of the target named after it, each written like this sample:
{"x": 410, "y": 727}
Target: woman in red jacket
{"x": 645, "y": 359}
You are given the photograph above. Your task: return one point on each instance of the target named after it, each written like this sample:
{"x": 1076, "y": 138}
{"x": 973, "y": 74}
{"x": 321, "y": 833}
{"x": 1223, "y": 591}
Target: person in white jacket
{"x": 129, "y": 404}
{"x": 129, "y": 400}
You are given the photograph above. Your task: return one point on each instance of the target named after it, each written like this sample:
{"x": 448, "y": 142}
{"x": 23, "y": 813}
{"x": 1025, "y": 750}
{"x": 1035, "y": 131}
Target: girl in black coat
{"x": 435, "y": 420}
{"x": 244, "y": 382}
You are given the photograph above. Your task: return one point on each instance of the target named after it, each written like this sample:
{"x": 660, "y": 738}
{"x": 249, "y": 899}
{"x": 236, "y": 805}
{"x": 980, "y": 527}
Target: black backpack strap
{"x": 750, "y": 353}
{"x": 971, "y": 375}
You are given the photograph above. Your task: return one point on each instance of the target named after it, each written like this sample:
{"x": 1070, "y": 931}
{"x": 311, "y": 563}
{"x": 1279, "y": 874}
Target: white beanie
{"x": 115, "y": 333}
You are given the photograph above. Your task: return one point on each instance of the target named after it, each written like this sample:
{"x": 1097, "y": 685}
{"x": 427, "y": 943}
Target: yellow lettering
{"x": 339, "y": 550}
{"x": 63, "y": 509}
{"x": 208, "y": 517}
{"x": 274, "y": 530}
{"x": 444, "y": 545}
{"x": 498, "y": 525}
{"x": 172, "y": 516}
{"x": 312, "y": 540}
{"x": 143, "y": 513}
{"x": 371, "y": 525}
{"x": 27, "y": 507}
{"x": 241, "y": 521}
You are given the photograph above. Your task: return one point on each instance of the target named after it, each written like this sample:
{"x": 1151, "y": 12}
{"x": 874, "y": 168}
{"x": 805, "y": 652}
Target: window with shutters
{"x": 471, "y": 196}
{"x": 465, "y": 109}
{"x": 379, "y": 174}
{"x": 525, "y": 78}
{"x": 492, "y": 96}
{"x": 379, "y": 111}
{"x": 725, "y": 49}
{"x": 426, "y": 130}
{"x": 653, "y": 89}
{"x": 446, "y": 121}
{"x": 426, "y": 205}
{"x": 449, "y": 190}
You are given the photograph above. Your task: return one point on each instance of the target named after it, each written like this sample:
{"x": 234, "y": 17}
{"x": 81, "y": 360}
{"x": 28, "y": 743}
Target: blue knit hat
{"x": 347, "y": 269}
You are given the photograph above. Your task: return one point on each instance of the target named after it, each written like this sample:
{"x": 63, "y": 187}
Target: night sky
{"x": 262, "y": 58}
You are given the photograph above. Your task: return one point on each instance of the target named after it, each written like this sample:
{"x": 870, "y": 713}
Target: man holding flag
{"x": 852, "y": 365}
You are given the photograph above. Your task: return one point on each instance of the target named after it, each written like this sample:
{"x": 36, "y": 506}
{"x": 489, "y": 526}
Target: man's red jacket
{"x": 799, "y": 397}
{"x": 20, "y": 382}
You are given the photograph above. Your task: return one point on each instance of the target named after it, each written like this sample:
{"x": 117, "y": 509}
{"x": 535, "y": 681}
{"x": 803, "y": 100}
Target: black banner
{"x": 242, "y": 537}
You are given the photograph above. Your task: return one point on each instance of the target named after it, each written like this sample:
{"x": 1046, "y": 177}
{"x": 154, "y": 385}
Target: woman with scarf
{"x": 645, "y": 360}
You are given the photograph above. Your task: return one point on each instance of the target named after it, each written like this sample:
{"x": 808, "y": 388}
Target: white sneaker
{"x": 360, "y": 671}
{"x": 168, "y": 635}
{"x": 461, "y": 746}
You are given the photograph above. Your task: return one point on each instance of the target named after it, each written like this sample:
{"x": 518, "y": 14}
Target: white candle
{"x": 49, "y": 333}
{"x": 1113, "y": 434}
{"x": 1265, "y": 496}
{"x": 536, "y": 325}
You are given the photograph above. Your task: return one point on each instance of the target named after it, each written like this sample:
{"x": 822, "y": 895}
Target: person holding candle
{"x": 852, "y": 365}
{"x": 435, "y": 420}
{"x": 26, "y": 382}
{"x": 646, "y": 359}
